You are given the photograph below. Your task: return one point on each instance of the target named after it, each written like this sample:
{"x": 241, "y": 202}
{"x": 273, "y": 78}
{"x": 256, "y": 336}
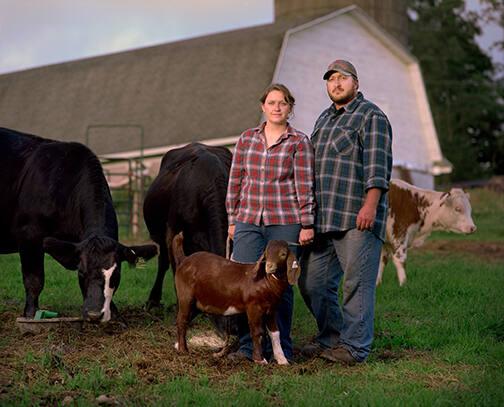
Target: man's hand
{"x": 367, "y": 214}
{"x": 366, "y": 218}
{"x": 306, "y": 236}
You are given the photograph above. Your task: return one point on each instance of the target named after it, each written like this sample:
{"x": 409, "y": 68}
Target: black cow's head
{"x": 98, "y": 259}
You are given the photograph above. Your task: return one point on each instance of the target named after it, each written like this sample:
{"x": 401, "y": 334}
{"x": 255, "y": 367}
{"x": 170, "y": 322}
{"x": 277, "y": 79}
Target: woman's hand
{"x": 231, "y": 230}
{"x": 306, "y": 236}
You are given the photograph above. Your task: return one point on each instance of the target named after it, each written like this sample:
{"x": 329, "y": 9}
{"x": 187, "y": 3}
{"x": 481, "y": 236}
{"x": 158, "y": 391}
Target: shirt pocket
{"x": 279, "y": 161}
{"x": 345, "y": 140}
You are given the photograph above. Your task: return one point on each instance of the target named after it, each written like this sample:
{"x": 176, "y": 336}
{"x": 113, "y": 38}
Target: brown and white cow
{"x": 414, "y": 213}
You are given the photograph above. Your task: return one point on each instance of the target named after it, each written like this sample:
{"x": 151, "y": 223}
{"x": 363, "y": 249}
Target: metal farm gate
{"x": 126, "y": 177}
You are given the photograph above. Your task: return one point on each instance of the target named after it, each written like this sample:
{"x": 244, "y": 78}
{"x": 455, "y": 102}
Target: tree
{"x": 493, "y": 12}
{"x": 466, "y": 98}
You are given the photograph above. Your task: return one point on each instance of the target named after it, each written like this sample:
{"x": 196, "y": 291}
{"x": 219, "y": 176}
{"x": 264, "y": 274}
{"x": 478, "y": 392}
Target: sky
{"x": 41, "y": 32}
{"x": 491, "y": 33}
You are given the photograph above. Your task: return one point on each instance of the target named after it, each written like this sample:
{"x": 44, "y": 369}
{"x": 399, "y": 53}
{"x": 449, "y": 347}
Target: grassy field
{"x": 439, "y": 340}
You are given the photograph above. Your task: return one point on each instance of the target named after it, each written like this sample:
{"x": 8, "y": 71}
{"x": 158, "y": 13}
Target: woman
{"x": 270, "y": 196}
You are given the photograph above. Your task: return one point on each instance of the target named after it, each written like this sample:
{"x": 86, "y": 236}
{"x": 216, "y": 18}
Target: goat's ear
{"x": 293, "y": 269}
{"x": 259, "y": 266}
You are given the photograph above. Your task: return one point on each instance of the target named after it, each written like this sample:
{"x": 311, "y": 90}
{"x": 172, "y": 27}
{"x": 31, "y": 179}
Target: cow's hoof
{"x": 116, "y": 324}
{"x": 261, "y": 362}
{"x": 30, "y": 314}
{"x": 152, "y": 305}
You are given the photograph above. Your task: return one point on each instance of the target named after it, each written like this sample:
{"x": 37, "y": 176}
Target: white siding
{"x": 386, "y": 78}
{"x": 420, "y": 179}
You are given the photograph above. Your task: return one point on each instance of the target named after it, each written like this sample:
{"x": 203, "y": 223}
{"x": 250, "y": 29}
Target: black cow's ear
{"x": 131, "y": 254}
{"x": 65, "y": 253}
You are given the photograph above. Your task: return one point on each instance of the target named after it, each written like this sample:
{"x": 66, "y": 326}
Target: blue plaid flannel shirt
{"x": 353, "y": 153}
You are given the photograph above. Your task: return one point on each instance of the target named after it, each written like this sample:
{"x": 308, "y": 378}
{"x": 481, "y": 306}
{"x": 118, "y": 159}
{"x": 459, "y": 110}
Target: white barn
{"x": 138, "y": 104}
{"x": 388, "y": 75}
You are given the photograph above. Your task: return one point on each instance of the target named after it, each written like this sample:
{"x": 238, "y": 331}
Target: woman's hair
{"x": 281, "y": 88}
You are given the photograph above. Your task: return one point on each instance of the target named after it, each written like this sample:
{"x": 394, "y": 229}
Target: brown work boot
{"x": 339, "y": 355}
{"x": 312, "y": 350}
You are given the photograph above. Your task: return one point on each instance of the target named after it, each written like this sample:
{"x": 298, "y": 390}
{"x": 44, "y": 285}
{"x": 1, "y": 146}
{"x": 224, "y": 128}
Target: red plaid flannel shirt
{"x": 272, "y": 185}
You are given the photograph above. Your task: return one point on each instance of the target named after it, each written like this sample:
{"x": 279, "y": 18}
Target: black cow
{"x": 188, "y": 195}
{"x": 55, "y": 198}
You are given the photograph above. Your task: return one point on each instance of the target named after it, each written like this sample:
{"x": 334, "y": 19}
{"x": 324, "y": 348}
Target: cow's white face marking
{"x": 107, "y": 293}
{"x": 456, "y": 217}
{"x": 231, "y": 311}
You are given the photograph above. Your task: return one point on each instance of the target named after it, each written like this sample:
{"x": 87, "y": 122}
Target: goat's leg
{"x": 183, "y": 317}
{"x": 255, "y": 324}
{"x": 274, "y": 335}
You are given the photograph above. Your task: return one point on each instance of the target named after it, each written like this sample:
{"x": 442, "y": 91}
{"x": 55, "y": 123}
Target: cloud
{"x": 35, "y": 32}
{"x": 127, "y": 39}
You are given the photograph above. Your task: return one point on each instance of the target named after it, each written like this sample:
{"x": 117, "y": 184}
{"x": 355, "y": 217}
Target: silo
{"x": 390, "y": 14}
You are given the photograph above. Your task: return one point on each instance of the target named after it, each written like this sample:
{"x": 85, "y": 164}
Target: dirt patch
{"x": 145, "y": 345}
{"x": 490, "y": 251}
{"x": 145, "y": 348}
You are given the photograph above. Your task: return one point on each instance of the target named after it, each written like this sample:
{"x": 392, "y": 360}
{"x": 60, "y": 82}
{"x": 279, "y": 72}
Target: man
{"x": 353, "y": 163}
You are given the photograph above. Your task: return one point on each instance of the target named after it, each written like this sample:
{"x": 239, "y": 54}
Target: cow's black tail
{"x": 178, "y": 249}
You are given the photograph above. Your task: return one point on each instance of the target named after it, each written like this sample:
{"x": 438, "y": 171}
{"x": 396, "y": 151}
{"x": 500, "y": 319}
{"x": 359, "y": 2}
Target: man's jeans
{"x": 355, "y": 255}
{"x": 249, "y": 244}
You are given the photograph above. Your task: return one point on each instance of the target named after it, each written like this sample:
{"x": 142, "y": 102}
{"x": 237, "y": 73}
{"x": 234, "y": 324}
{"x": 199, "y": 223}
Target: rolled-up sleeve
{"x": 235, "y": 180}
{"x": 377, "y": 151}
{"x": 304, "y": 178}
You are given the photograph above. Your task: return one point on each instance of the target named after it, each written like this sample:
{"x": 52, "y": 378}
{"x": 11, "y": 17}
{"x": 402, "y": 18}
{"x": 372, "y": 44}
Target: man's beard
{"x": 343, "y": 99}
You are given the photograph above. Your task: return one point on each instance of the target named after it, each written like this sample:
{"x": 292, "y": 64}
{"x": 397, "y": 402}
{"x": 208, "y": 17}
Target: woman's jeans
{"x": 354, "y": 255}
{"x": 249, "y": 244}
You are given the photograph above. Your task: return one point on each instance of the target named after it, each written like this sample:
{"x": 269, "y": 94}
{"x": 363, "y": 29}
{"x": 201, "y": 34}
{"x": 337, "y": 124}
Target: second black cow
{"x": 188, "y": 195}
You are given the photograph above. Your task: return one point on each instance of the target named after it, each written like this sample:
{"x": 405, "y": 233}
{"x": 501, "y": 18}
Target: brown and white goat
{"x": 219, "y": 286}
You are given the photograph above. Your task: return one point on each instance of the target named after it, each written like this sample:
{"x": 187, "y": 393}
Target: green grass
{"x": 439, "y": 341}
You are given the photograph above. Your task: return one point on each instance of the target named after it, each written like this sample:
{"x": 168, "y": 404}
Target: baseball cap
{"x": 341, "y": 66}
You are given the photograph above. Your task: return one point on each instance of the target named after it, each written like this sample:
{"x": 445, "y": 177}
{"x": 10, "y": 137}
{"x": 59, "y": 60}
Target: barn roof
{"x": 196, "y": 89}
{"x": 205, "y": 88}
